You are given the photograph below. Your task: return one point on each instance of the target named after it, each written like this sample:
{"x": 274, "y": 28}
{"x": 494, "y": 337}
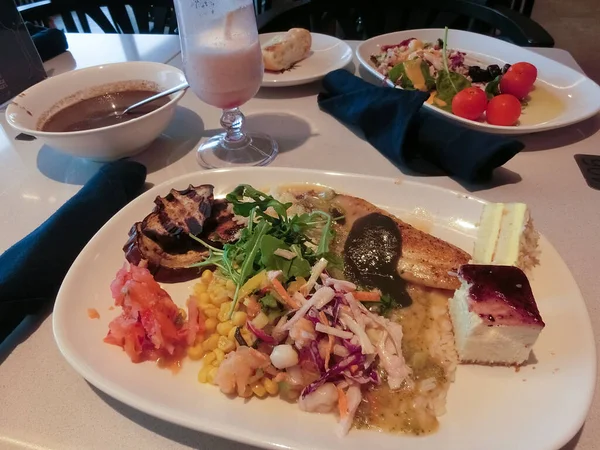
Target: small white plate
{"x": 579, "y": 95}
{"x": 494, "y": 408}
{"x": 327, "y": 53}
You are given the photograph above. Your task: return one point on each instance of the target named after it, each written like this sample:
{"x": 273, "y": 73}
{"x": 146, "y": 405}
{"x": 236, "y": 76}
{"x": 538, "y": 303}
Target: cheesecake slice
{"x": 495, "y": 318}
{"x": 506, "y": 236}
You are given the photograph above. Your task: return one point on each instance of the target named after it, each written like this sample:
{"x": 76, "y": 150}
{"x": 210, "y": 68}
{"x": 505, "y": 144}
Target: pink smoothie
{"x": 223, "y": 59}
{"x": 225, "y": 77}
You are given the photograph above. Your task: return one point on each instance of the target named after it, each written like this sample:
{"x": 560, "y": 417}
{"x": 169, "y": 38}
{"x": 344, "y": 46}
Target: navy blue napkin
{"x": 32, "y": 270}
{"x": 49, "y": 42}
{"x": 393, "y": 122}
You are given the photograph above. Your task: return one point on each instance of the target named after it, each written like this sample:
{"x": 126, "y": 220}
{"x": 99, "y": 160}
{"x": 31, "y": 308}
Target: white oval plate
{"x": 327, "y": 53}
{"x": 492, "y": 408}
{"x": 580, "y": 95}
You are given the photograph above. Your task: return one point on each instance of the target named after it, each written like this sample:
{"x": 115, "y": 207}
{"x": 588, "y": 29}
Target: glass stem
{"x": 233, "y": 122}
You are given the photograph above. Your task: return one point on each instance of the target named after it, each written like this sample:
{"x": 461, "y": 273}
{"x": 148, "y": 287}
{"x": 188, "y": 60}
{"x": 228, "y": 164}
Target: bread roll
{"x": 285, "y": 50}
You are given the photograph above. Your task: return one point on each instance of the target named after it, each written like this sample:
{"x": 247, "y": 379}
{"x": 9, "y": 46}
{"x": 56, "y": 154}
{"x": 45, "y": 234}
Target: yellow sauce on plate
{"x": 542, "y": 106}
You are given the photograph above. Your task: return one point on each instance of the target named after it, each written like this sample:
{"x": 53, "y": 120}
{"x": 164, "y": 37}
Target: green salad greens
{"x": 272, "y": 240}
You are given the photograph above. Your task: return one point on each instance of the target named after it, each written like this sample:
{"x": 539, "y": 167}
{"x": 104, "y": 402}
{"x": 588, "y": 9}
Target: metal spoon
{"x": 162, "y": 94}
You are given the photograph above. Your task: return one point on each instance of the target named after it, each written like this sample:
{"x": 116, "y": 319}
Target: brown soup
{"x": 96, "y": 112}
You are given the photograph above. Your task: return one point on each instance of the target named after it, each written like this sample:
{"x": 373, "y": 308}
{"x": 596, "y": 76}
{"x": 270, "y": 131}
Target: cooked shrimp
{"x": 238, "y": 368}
{"x": 303, "y": 332}
{"x": 322, "y": 400}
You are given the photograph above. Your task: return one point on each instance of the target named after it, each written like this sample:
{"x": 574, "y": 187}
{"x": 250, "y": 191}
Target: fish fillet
{"x": 425, "y": 259}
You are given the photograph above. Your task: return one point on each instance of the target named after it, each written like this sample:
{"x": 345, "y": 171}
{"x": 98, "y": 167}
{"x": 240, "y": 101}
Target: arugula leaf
{"x": 260, "y": 200}
{"x": 493, "y": 87}
{"x": 296, "y": 267}
{"x": 251, "y": 248}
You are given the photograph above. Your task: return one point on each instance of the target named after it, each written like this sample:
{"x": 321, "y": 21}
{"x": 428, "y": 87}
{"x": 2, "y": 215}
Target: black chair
{"x": 112, "y": 16}
{"x": 363, "y": 19}
{"x": 524, "y": 7}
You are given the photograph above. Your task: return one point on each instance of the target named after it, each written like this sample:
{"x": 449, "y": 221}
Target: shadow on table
{"x": 182, "y": 435}
{"x": 572, "y": 444}
{"x": 561, "y": 137}
{"x": 19, "y": 330}
{"x": 290, "y": 131}
{"x": 180, "y": 137}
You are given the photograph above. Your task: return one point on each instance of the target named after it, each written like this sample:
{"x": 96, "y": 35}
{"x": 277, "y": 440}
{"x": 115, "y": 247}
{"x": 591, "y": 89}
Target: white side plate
{"x": 579, "y": 94}
{"x": 493, "y": 408}
{"x": 327, "y": 53}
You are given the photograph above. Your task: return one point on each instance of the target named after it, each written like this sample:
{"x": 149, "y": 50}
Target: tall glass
{"x": 223, "y": 64}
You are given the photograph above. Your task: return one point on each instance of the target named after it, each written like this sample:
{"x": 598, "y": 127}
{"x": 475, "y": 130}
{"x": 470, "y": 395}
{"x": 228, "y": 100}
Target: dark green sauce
{"x": 371, "y": 255}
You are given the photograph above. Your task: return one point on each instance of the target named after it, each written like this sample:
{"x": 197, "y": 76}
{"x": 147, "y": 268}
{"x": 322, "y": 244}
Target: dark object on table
{"x": 393, "y": 122}
{"x": 21, "y": 65}
{"x": 361, "y": 19}
{"x": 156, "y": 17}
{"x": 49, "y": 42}
{"x": 32, "y": 270}
{"x": 590, "y": 169}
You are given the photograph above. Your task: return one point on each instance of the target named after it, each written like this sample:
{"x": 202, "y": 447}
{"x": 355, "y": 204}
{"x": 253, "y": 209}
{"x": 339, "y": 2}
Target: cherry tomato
{"x": 469, "y": 103}
{"x": 526, "y": 70}
{"x": 518, "y": 80}
{"x": 504, "y": 110}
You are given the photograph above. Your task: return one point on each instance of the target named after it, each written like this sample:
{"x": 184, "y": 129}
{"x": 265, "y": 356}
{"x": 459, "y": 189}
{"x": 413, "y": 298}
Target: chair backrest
{"x": 111, "y": 16}
{"x": 383, "y": 16}
{"x": 281, "y": 15}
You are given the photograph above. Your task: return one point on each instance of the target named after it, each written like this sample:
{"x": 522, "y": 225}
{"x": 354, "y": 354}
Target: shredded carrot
{"x": 342, "y": 403}
{"x": 93, "y": 313}
{"x": 367, "y": 296}
{"x": 284, "y": 295}
{"x": 353, "y": 368}
{"x": 329, "y": 348}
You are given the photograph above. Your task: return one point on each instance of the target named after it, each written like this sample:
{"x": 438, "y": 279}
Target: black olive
{"x": 494, "y": 70}
{"x": 479, "y": 75}
{"x": 505, "y": 68}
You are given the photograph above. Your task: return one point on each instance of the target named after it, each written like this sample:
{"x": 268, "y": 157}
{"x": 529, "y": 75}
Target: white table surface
{"x": 44, "y": 404}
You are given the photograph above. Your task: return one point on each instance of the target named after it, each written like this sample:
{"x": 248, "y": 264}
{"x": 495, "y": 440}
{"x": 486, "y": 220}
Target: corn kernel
{"x": 259, "y": 390}
{"x": 231, "y": 334}
{"x": 183, "y": 313}
{"x": 239, "y": 318}
{"x": 212, "y": 373}
{"x": 219, "y": 298}
{"x": 211, "y": 343}
{"x": 204, "y": 298}
{"x": 207, "y": 276}
{"x": 203, "y": 374}
{"x": 224, "y": 328}
{"x": 195, "y": 352}
{"x": 230, "y": 285}
{"x": 210, "y": 324}
{"x": 200, "y": 288}
{"x": 247, "y": 393}
{"x": 271, "y": 387}
{"x": 209, "y": 358}
{"x": 225, "y": 344}
{"x": 211, "y": 312}
{"x": 223, "y": 314}
{"x": 220, "y": 354}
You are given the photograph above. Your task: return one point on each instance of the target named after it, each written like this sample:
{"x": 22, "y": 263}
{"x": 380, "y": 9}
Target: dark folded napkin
{"x": 32, "y": 270}
{"x": 49, "y": 42}
{"x": 393, "y": 122}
